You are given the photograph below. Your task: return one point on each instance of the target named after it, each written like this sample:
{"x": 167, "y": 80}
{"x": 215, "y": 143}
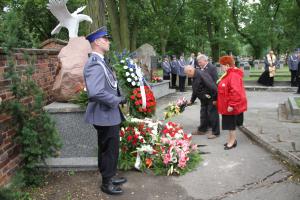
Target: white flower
{"x": 130, "y": 69}
{"x": 122, "y": 61}
{"x": 127, "y": 74}
{"x": 138, "y": 84}
{"x": 84, "y": 89}
{"x": 131, "y": 62}
{"x": 133, "y": 75}
{"x": 125, "y": 67}
{"x": 129, "y": 80}
{"x": 136, "y": 78}
{"x": 145, "y": 148}
{"x": 133, "y": 83}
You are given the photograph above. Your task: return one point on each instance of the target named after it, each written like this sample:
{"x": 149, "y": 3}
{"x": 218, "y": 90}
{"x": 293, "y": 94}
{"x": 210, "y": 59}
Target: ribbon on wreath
{"x": 139, "y": 73}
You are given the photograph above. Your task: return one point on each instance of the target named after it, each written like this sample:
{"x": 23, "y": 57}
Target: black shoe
{"x": 110, "y": 188}
{"x": 225, "y": 144}
{"x": 233, "y": 146}
{"x": 118, "y": 181}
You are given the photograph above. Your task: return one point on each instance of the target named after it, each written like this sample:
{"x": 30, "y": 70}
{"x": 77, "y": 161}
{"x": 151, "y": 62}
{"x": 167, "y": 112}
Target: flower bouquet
{"x": 137, "y": 103}
{"x": 141, "y": 99}
{"x": 156, "y": 79}
{"x": 147, "y": 144}
{"x": 138, "y": 143}
{"x": 176, "y": 148}
{"x": 174, "y": 109}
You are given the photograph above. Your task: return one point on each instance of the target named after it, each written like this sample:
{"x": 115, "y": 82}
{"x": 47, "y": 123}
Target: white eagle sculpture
{"x": 70, "y": 21}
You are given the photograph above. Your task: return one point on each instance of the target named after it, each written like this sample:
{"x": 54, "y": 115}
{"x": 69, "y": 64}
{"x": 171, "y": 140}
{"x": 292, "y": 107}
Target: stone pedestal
{"x": 79, "y": 138}
{"x": 289, "y": 111}
{"x": 161, "y": 89}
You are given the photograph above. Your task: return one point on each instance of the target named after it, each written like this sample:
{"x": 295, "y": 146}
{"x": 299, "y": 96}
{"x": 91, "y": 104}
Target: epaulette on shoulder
{"x": 94, "y": 58}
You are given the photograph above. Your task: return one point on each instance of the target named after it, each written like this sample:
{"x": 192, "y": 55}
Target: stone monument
{"x": 143, "y": 55}
{"x": 73, "y": 56}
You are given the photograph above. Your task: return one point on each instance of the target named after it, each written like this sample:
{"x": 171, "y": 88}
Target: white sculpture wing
{"x": 59, "y": 9}
{"x": 79, "y": 10}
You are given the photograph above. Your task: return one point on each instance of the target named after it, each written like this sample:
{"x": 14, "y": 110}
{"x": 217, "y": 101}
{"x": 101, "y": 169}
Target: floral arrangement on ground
{"x": 174, "y": 109}
{"x": 165, "y": 149}
{"x": 156, "y": 79}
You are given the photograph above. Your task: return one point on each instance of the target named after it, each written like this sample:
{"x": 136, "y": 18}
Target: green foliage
{"x": 81, "y": 98}
{"x": 36, "y": 133}
{"x": 30, "y": 22}
{"x": 14, "y": 191}
{"x": 11, "y": 194}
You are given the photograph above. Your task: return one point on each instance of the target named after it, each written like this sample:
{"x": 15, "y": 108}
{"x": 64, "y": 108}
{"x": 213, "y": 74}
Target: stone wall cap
{"x": 57, "y": 107}
{"x": 54, "y": 40}
{"x": 33, "y": 51}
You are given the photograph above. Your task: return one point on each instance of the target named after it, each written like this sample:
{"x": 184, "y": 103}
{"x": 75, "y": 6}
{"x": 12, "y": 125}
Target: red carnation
{"x": 129, "y": 138}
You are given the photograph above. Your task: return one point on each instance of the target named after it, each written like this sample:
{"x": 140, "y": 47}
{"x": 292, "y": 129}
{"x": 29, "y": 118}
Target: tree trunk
{"x": 214, "y": 46}
{"x": 215, "y": 52}
{"x": 163, "y": 43}
{"x": 114, "y": 23}
{"x": 133, "y": 38}
{"x": 257, "y": 51}
{"x": 124, "y": 31}
{"x": 96, "y": 10}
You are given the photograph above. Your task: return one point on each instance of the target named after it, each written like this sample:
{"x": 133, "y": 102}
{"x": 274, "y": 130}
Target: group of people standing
{"x": 271, "y": 63}
{"x": 173, "y": 68}
{"x": 225, "y": 96}
{"x": 294, "y": 67}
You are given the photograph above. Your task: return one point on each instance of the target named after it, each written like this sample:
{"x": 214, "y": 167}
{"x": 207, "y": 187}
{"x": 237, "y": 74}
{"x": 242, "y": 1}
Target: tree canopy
{"x": 214, "y": 27}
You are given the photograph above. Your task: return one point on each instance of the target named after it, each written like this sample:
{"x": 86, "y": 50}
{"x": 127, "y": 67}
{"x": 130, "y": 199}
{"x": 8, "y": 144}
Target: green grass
{"x": 282, "y": 74}
{"x": 297, "y": 99}
{"x": 275, "y": 79}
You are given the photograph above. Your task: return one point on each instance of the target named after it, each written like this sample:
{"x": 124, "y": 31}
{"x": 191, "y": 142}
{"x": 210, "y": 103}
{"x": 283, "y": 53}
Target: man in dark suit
{"x": 209, "y": 117}
{"x": 103, "y": 110}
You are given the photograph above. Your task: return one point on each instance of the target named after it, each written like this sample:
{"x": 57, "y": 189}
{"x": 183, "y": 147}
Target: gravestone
{"x": 246, "y": 68}
{"x": 154, "y": 65}
{"x": 256, "y": 64}
{"x": 143, "y": 55}
{"x": 281, "y": 64}
{"x": 261, "y": 64}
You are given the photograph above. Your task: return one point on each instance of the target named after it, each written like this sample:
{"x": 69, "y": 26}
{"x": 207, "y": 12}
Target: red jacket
{"x": 231, "y": 92}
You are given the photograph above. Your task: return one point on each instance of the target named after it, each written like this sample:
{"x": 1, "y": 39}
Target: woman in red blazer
{"x": 232, "y": 101}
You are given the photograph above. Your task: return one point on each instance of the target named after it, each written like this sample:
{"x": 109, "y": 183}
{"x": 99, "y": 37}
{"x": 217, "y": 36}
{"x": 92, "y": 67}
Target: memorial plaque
{"x": 154, "y": 62}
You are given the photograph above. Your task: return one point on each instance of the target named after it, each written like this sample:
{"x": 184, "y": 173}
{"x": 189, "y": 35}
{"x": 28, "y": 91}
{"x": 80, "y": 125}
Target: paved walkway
{"x": 262, "y": 124}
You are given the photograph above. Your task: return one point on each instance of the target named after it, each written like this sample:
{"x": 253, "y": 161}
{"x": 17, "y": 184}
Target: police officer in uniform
{"x": 103, "y": 110}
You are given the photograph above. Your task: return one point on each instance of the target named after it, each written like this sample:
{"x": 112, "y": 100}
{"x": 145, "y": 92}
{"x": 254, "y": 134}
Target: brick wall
{"x": 46, "y": 64}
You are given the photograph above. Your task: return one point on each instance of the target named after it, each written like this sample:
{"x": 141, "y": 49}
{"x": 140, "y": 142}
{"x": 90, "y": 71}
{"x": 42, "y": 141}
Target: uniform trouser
{"x": 108, "y": 150}
{"x": 182, "y": 83}
{"x": 209, "y": 117}
{"x": 167, "y": 77}
{"x": 293, "y": 77}
{"x": 174, "y": 80}
{"x": 189, "y": 81}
